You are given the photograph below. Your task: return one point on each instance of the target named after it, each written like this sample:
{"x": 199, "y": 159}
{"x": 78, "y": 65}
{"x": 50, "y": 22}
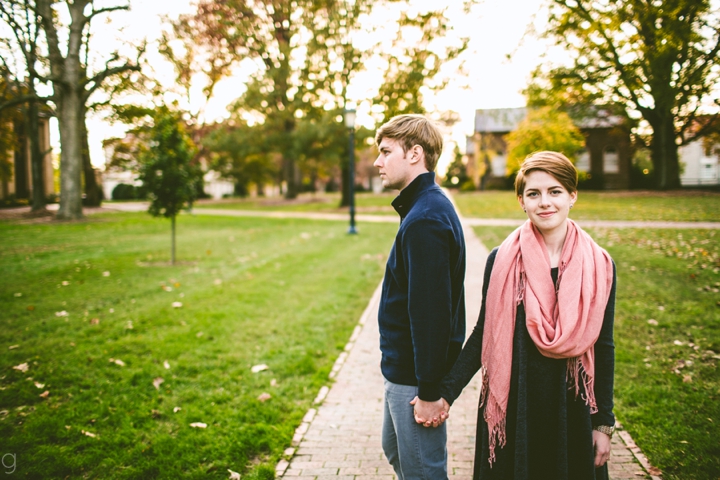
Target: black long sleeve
{"x": 469, "y": 361}
{"x": 605, "y": 363}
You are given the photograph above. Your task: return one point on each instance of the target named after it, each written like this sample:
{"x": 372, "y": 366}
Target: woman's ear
{"x": 521, "y": 202}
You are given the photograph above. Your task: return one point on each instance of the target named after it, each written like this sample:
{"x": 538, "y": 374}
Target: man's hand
{"x": 601, "y": 443}
{"x": 431, "y": 414}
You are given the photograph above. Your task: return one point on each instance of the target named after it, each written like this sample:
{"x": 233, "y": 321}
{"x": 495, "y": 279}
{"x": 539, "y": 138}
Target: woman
{"x": 543, "y": 341}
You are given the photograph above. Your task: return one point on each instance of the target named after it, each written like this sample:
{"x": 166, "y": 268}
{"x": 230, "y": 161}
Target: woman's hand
{"x": 601, "y": 443}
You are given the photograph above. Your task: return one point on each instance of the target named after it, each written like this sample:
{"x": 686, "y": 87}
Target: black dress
{"x": 548, "y": 429}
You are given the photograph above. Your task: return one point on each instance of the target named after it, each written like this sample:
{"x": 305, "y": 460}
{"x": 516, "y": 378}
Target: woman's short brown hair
{"x": 413, "y": 129}
{"x": 552, "y": 163}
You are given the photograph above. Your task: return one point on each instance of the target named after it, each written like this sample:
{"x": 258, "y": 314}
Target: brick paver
{"x": 340, "y": 439}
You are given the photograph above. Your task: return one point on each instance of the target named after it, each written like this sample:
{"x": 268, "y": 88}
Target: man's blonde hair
{"x": 410, "y": 130}
{"x": 552, "y": 163}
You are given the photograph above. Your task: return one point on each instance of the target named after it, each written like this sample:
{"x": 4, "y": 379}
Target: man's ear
{"x": 416, "y": 154}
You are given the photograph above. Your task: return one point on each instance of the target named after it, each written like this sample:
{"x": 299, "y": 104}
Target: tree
{"x": 239, "y": 152}
{"x": 303, "y": 51}
{"x": 415, "y": 72}
{"x": 456, "y": 175}
{"x": 659, "y": 60}
{"x": 167, "y": 170}
{"x": 543, "y": 129}
{"x": 73, "y": 83}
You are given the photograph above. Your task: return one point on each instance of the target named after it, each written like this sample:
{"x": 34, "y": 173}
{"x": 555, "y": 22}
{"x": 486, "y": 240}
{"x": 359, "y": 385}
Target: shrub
{"x": 124, "y": 191}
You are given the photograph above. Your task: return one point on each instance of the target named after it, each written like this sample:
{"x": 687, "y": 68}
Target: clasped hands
{"x": 430, "y": 414}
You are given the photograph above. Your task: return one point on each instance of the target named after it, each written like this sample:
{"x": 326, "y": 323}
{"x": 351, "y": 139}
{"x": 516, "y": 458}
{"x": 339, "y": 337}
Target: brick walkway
{"x": 340, "y": 439}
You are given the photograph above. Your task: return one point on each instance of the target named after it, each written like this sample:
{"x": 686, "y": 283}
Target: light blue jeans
{"x": 414, "y": 451}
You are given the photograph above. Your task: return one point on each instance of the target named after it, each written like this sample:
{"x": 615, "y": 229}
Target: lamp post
{"x": 350, "y": 124}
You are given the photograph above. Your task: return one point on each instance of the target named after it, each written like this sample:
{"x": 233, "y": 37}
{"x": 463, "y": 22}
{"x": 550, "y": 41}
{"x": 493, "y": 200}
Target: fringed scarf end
{"x": 495, "y": 418}
{"x": 576, "y": 374}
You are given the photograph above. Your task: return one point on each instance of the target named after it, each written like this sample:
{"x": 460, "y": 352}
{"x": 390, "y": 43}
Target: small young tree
{"x": 167, "y": 170}
{"x": 543, "y": 129}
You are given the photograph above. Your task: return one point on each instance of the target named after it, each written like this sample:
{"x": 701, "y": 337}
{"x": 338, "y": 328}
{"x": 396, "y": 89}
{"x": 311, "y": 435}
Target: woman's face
{"x": 546, "y": 202}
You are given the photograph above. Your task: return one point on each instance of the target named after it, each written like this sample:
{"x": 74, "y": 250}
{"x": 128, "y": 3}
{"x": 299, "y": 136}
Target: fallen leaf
{"x": 259, "y": 368}
{"x": 94, "y": 321}
{"x": 65, "y": 283}
{"x": 198, "y": 425}
{"x": 654, "y": 471}
{"x": 199, "y": 334}
{"x": 234, "y": 475}
{"x": 273, "y": 383}
{"x": 18, "y": 294}
{"x": 177, "y": 284}
{"x": 30, "y": 308}
{"x": 129, "y": 325}
{"x": 157, "y": 382}
{"x": 155, "y": 413}
{"x": 176, "y": 409}
{"x": 687, "y": 379}
{"x": 166, "y": 365}
{"x": 13, "y": 347}
{"x": 653, "y": 322}
{"x": 217, "y": 281}
{"x": 39, "y": 385}
{"x": 263, "y": 397}
{"x": 45, "y": 394}
{"x": 62, "y": 313}
{"x": 106, "y": 274}
{"x": 661, "y": 308}
{"x": 117, "y": 361}
{"x": 23, "y": 367}
{"x": 88, "y": 434}
{"x": 678, "y": 343}
{"x": 177, "y": 304}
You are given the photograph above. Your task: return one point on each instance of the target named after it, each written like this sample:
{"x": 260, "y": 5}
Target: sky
{"x": 499, "y": 59}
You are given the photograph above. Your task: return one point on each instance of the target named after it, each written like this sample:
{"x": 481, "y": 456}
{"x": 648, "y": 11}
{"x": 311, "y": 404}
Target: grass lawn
{"x": 102, "y": 376}
{"x": 681, "y": 206}
{"x": 365, "y": 202}
{"x": 667, "y": 338}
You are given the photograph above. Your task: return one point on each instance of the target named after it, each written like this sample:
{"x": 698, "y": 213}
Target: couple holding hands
{"x": 543, "y": 342}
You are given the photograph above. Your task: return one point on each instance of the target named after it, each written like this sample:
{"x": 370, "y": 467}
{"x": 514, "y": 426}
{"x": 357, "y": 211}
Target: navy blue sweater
{"x": 422, "y": 308}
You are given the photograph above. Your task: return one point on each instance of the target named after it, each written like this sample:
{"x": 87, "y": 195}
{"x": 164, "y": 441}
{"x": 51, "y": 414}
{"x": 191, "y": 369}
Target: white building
{"x": 700, "y": 163}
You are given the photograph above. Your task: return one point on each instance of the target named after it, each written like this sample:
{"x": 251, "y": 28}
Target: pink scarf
{"x": 563, "y": 323}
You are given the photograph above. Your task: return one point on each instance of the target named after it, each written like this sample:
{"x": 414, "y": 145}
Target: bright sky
{"x": 498, "y": 62}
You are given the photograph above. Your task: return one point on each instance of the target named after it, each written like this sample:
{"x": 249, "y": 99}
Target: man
{"x": 422, "y": 308}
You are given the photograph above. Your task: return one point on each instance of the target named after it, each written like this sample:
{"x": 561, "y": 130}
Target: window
{"x": 583, "y": 161}
{"x": 611, "y": 160}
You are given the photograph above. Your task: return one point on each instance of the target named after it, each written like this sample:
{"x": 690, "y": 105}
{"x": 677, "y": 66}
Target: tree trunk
{"x": 291, "y": 178}
{"x": 36, "y": 159}
{"x": 172, "y": 254}
{"x": 664, "y": 154}
{"x": 93, "y": 193}
{"x": 70, "y": 110}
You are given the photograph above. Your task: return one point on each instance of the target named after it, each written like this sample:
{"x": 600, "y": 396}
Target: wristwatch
{"x": 606, "y": 429}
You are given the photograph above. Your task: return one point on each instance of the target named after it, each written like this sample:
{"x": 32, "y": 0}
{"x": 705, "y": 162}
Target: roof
{"x": 505, "y": 120}
{"x": 498, "y": 120}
